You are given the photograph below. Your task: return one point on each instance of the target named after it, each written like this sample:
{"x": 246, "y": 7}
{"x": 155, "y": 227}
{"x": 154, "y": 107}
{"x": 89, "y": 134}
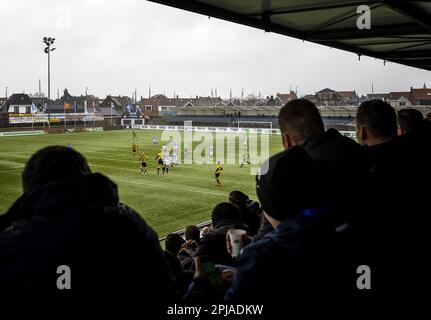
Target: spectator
{"x": 70, "y": 216}
{"x": 250, "y": 218}
{"x": 186, "y": 255}
{"x": 394, "y": 195}
{"x": 192, "y": 233}
{"x": 408, "y": 119}
{"x": 306, "y": 260}
{"x": 173, "y": 245}
{"x": 188, "y": 249}
{"x": 376, "y": 127}
{"x": 224, "y": 217}
{"x": 376, "y": 123}
{"x": 339, "y": 157}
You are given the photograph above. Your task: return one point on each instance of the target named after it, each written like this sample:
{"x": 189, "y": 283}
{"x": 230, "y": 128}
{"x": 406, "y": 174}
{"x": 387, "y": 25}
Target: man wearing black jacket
{"x": 340, "y": 157}
{"x": 307, "y": 260}
{"x": 68, "y": 216}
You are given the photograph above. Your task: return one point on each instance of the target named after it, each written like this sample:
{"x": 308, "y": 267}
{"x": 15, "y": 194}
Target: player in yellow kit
{"x": 160, "y": 164}
{"x": 143, "y": 159}
{"x": 133, "y": 135}
{"x": 134, "y": 148}
{"x": 218, "y": 171}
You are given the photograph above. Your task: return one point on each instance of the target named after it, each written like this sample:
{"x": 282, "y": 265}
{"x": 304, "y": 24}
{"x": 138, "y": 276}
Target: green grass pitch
{"x": 167, "y": 203}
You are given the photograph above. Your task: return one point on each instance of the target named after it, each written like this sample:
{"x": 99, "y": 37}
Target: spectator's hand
{"x": 205, "y": 231}
{"x": 228, "y": 275}
{"x": 190, "y": 244}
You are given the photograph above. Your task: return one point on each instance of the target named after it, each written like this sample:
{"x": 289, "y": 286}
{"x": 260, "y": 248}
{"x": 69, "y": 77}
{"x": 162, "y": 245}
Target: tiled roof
{"x": 420, "y": 94}
{"x": 395, "y": 95}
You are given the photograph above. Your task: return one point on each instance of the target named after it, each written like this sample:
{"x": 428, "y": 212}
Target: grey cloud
{"x": 114, "y": 46}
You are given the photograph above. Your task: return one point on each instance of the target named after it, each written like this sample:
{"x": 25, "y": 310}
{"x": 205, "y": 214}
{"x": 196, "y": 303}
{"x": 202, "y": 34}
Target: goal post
{"x": 255, "y": 124}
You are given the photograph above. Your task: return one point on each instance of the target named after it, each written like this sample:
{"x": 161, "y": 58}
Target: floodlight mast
{"x": 48, "y": 42}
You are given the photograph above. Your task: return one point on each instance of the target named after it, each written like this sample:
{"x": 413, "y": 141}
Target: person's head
{"x": 376, "y": 122}
{"x": 408, "y": 119}
{"x": 51, "y": 164}
{"x": 292, "y": 184}
{"x": 173, "y": 243}
{"x": 192, "y": 233}
{"x": 238, "y": 198}
{"x": 224, "y": 211}
{"x": 299, "y": 120}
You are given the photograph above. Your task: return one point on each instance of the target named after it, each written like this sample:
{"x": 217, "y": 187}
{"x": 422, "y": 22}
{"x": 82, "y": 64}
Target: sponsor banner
{"x": 21, "y": 133}
{"x": 20, "y": 115}
{"x": 16, "y": 118}
{"x": 212, "y": 129}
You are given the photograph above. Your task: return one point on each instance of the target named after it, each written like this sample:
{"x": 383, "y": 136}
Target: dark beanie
{"x": 291, "y": 184}
{"x": 225, "y": 211}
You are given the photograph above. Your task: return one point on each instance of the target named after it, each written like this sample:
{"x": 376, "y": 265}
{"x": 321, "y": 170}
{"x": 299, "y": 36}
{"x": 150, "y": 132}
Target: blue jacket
{"x": 304, "y": 259}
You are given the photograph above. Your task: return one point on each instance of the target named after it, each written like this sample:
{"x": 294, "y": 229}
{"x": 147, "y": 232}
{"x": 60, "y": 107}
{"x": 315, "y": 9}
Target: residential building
{"x": 420, "y": 97}
{"x": 19, "y": 103}
{"x": 399, "y": 99}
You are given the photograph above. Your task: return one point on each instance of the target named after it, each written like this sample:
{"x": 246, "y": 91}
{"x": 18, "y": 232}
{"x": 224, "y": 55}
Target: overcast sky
{"x": 113, "y": 47}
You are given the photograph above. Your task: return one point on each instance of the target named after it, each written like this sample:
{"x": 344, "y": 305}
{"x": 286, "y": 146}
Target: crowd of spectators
{"x": 304, "y": 238}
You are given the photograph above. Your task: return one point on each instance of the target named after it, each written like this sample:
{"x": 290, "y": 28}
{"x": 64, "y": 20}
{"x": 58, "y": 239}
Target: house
{"x": 328, "y": 97}
{"x": 2, "y": 101}
{"x": 40, "y": 102}
{"x": 160, "y": 104}
{"x": 310, "y": 97}
{"x": 92, "y": 103}
{"x": 271, "y": 101}
{"x": 155, "y": 105}
{"x": 67, "y": 104}
{"x": 349, "y": 98}
{"x": 286, "y": 97}
{"x": 19, "y": 103}
{"x": 113, "y": 106}
{"x": 399, "y": 99}
{"x": 420, "y": 97}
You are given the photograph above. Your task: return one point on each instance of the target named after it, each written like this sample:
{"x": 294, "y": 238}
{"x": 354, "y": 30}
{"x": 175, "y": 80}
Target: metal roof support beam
{"x": 208, "y": 10}
{"x": 351, "y": 34}
{"x": 345, "y": 4}
{"x": 337, "y": 19}
{"x": 410, "y": 10}
{"x": 411, "y": 54}
{"x": 400, "y": 41}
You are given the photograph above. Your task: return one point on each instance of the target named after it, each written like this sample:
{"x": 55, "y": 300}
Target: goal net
{"x": 255, "y": 124}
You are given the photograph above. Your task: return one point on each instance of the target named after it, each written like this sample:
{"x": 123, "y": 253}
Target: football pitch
{"x": 167, "y": 202}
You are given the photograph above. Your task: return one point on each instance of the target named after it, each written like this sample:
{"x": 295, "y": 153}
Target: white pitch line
{"x": 171, "y": 187}
{"x": 12, "y": 170}
{"x": 146, "y": 184}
